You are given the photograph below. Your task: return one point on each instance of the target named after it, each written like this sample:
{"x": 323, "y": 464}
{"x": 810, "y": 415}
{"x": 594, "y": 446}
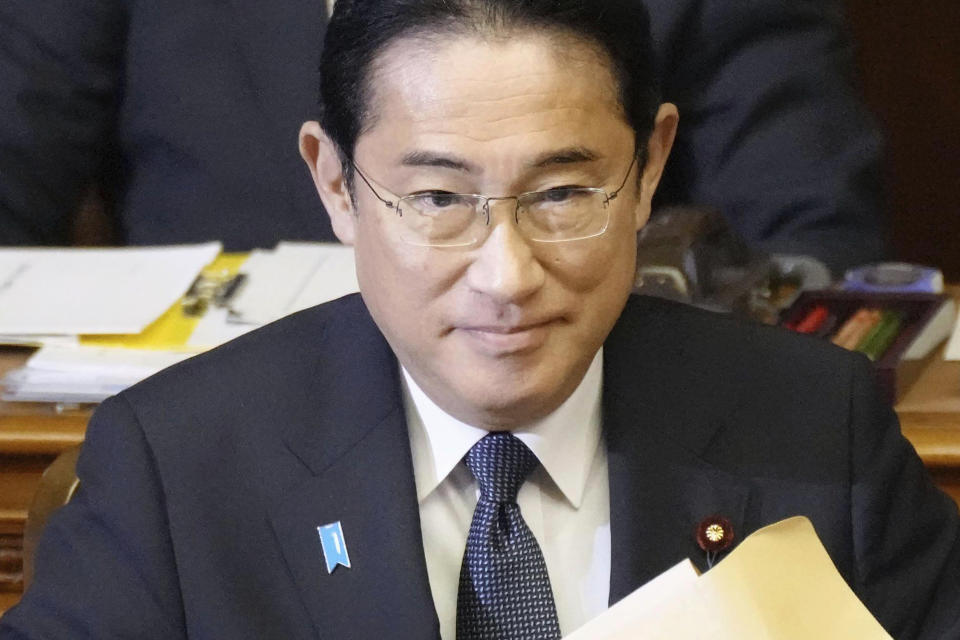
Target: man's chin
{"x": 508, "y": 404}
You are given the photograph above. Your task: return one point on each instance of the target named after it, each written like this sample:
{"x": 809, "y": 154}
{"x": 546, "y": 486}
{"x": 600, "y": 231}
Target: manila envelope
{"x": 779, "y": 584}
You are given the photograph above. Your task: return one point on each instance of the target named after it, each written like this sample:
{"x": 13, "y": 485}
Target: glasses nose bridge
{"x": 488, "y": 199}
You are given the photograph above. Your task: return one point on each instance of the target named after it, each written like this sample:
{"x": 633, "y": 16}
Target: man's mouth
{"x": 504, "y": 339}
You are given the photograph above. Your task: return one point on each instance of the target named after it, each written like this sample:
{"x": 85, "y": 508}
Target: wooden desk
{"x": 32, "y": 435}
{"x": 930, "y": 418}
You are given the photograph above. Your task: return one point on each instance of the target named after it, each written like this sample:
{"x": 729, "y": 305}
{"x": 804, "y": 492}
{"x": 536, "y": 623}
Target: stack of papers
{"x": 779, "y": 583}
{"x": 78, "y": 375}
{"x": 56, "y": 294}
{"x": 107, "y": 318}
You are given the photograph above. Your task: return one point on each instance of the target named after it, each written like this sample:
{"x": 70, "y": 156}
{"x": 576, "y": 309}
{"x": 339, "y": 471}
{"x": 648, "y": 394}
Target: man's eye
{"x": 558, "y": 194}
{"x": 438, "y": 199}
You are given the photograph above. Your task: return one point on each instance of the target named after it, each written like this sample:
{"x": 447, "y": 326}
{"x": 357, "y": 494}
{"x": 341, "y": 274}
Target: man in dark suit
{"x": 184, "y": 115}
{"x": 483, "y": 319}
{"x": 197, "y": 513}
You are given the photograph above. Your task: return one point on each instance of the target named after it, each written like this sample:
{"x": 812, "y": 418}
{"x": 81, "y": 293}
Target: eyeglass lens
{"x": 556, "y": 215}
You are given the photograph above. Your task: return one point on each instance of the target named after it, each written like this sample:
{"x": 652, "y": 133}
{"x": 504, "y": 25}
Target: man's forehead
{"x": 456, "y": 79}
{"x": 469, "y": 91}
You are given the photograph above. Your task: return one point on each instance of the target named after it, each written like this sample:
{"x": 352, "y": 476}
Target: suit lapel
{"x": 355, "y": 454}
{"x": 660, "y": 487}
{"x": 654, "y": 513}
{"x": 353, "y": 449}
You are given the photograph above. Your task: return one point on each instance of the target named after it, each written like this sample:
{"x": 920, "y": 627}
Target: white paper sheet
{"x": 335, "y": 276}
{"x": 94, "y": 291}
{"x": 86, "y": 360}
{"x": 294, "y": 276}
{"x": 273, "y": 280}
{"x": 953, "y": 347}
{"x": 83, "y": 373}
{"x": 36, "y": 340}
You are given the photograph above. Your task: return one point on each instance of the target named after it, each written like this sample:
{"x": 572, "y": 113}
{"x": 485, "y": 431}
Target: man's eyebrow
{"x": 422, "y": 158}
{"x": 437, "y": 159}
{"x": 570, "y": 155}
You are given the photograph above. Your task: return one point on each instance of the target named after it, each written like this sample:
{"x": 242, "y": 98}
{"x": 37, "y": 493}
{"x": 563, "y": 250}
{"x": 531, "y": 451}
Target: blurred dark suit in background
{"x": 184, "y": 117}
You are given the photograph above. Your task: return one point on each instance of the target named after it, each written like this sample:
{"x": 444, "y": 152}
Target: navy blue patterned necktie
{"x": 504, "y": 587}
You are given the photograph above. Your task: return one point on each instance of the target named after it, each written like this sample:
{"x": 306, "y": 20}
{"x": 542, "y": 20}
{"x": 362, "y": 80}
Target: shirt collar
{"x": 564, "y": 441}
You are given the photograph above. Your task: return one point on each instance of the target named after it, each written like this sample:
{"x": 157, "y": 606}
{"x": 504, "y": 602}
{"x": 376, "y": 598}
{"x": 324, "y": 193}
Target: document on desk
{"x": 779, "y": 583}
{"x": 294, "y": 276}
{"x": 82, "y": 373}
{"x": 37, "y": 340}
{"x": 334, "y": 277}
{"x": 94, "y": 291}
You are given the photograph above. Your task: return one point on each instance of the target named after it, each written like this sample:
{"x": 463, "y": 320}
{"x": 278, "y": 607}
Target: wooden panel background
{"x": 909, "y": 63}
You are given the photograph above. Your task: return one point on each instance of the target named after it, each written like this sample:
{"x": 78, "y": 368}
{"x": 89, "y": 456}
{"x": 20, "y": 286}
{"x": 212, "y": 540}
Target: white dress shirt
{"x": 565, "y": 501}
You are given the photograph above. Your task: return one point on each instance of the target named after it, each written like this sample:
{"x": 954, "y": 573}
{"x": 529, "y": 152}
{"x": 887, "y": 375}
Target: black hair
{"x": 360, "y": 30}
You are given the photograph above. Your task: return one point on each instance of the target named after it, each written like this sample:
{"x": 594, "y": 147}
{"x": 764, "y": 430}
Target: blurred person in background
{"x": 177, "y": 121}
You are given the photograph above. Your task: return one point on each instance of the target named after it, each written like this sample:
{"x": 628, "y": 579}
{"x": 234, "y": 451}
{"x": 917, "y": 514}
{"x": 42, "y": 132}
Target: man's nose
{"x": 505, "y": 267}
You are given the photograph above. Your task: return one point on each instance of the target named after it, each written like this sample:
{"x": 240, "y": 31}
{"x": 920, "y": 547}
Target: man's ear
{"x": 658, "y": 150}
{"x": 321, "y": 156}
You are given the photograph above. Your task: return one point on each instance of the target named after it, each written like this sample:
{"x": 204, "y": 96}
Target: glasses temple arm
{"x": 388, "y": 203}
{"x": 616, "y": 192}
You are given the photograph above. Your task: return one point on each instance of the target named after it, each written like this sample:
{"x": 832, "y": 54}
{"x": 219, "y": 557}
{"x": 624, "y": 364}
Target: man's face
{"x": 497, "y": 334}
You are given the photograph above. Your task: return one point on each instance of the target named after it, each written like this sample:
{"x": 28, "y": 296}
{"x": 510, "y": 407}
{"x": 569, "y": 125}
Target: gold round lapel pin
{"x": 714, "y": 535}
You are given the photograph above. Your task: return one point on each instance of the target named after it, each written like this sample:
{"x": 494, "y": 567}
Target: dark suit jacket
{"x": 189, "y": 111}
{"x": 201, "y": 489}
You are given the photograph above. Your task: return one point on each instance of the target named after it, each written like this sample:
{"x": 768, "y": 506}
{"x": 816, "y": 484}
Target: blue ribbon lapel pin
{"x": 334, "y": 546}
